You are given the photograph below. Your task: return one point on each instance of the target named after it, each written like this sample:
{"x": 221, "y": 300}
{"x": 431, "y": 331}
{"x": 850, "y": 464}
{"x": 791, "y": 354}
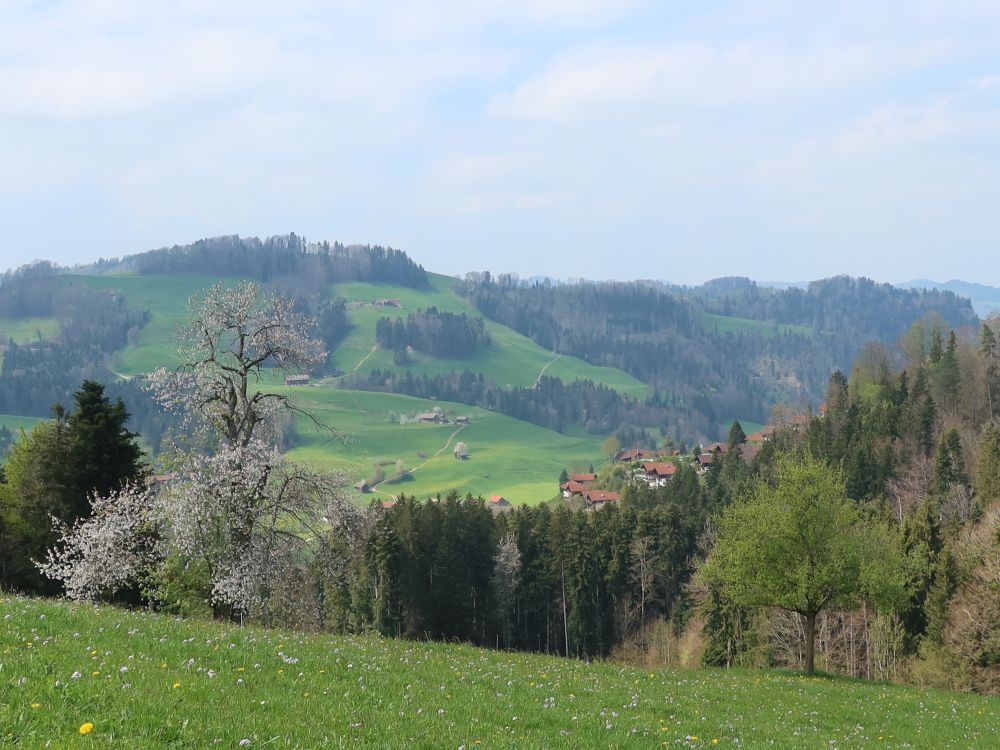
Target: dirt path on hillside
{"x": 546, "y": 367}
{"x": 365, "y": 358}
{"x": 439, "y": 451}
{"x": 122, "y": 375}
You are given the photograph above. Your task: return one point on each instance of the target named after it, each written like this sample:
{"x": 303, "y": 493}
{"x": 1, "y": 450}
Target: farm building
{"x": 658, "y": 473}
{"x": 572, "y": 487}
{"x": 296, "y": 380}
{"x": 597, "y": 499}
{"x": 498, "y": 504}
{"x": 461, "y": 451}
{"x": 362, "y": 486}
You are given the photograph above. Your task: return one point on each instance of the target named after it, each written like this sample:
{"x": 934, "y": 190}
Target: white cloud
{"x": 600, "y": 79}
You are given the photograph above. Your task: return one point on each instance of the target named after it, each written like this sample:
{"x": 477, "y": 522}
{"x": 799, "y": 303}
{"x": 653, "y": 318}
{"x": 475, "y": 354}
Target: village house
{"x": 749, "y": 451}
{"x": 636, "y": 454}
{"x": 387, "y": 302}
{"x": 432, "y": 416}
{"x": 571, "y": 488}
{"x": 658, "y": 473}
{"x": 597, "y": 499}
{"x": 461, "y": 420}
{"x": 583, "y": 477}
{"x": 362, "y": 486}
{"x": 703, "y": 461}
{"x": 461, "y": 451}
{"x": 498, "y": 504}
{"x": 296, "y": 380}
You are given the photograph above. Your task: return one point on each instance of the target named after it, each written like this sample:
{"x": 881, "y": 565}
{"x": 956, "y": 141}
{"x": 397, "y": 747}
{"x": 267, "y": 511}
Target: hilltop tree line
{"x": 435, "y": 332}
{"x": 284, "y": 258}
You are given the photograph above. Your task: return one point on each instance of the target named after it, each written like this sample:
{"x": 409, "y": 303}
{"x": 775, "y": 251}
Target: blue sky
{"x": 571, "y": 138}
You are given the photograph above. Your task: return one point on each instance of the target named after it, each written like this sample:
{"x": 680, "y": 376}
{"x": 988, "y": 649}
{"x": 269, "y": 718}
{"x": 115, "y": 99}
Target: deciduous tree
{"x": 801, "y": 546}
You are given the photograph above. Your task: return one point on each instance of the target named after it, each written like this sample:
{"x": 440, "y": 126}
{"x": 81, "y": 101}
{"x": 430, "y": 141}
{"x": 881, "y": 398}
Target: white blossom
{"x": 234, "y": 504}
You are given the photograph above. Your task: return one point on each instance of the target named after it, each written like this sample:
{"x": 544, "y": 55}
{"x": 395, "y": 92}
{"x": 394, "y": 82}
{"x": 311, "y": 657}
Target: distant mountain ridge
{"x": 985, "y": 299}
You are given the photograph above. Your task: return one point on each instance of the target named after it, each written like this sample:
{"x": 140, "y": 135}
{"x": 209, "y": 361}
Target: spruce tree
{"x": 103, "y": 453}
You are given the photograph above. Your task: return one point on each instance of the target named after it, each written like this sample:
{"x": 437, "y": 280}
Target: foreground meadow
{"x": 79, "y": 676}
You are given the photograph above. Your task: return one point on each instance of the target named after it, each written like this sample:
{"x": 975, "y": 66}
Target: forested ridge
{"x": 705, "y": 374}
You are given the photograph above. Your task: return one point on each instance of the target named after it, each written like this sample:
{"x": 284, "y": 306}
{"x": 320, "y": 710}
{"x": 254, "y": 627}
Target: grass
{"x": 25, "y": 330}
{"x": 166, "y": 299}
{"x": 510, "y": 360}
{"x": 147, "y": 681}
{"x": 725, "y": 324}
{"x": 508, "y": 457}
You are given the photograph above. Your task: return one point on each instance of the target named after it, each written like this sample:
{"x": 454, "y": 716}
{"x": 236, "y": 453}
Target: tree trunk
{"x": 810, "y": 619}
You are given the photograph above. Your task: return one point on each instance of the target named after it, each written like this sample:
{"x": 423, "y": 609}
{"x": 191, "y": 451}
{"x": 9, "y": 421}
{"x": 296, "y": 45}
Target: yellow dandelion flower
{"x": 176, "y": 685}
{"x": 86, "y": 727}
{"x": 95, "y": 674}
{"x": 36, "y": 705}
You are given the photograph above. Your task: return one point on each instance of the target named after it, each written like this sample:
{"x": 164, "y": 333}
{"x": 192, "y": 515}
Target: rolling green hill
{"x": 506, "y": 456}
{"x": 99, "y": 677}
{"x": 509, "y": 457}
{"x": 511, "y": 359}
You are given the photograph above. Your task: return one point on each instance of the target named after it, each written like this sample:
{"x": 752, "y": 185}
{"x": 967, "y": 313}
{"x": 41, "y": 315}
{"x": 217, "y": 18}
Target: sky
{"x": 594, "y": 139}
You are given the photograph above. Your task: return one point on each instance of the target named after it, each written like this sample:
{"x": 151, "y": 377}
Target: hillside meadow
{"x": 83, "y": 676}
{"x": 508, "y": 457}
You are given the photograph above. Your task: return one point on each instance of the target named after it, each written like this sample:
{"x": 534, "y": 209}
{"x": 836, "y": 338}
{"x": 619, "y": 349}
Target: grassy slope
{"x": 512, "y": 359}
{"x": 507, "y": 457}
{"x": 166, "y": 299}
{"x": 147, "y": 682}
{"x": 727, "y": 324}
{"x": 23, "y": 330}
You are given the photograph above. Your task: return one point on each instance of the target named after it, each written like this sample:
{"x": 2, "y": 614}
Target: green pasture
{"x": 166, "y": 299}
{"x": 25, "y": 330}
{"x": 725, "y": 324}
{"x": 77, "y": 676}
{"x": 508, "y": 457}
{"x": 510, "y": 360}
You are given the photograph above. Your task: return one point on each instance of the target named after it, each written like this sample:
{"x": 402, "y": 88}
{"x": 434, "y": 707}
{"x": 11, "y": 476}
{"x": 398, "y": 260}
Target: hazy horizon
{"x": 566, "y": 138}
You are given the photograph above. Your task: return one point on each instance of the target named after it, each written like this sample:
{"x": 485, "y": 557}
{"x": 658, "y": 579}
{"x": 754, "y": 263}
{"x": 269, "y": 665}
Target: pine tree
{"x": 103, "y": 453}
{"x": 736, "y": 435}
{"x": 949, "y": 466}
{"x": 988, "y": 466}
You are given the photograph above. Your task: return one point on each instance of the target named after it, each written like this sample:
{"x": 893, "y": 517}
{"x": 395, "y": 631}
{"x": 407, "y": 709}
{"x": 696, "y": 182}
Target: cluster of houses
{"x": 652, "y": 467}
{"x": 437, "y": 416}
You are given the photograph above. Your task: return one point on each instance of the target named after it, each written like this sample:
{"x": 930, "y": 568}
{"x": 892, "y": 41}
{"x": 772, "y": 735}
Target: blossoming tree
{"x": 234, "y": 507}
